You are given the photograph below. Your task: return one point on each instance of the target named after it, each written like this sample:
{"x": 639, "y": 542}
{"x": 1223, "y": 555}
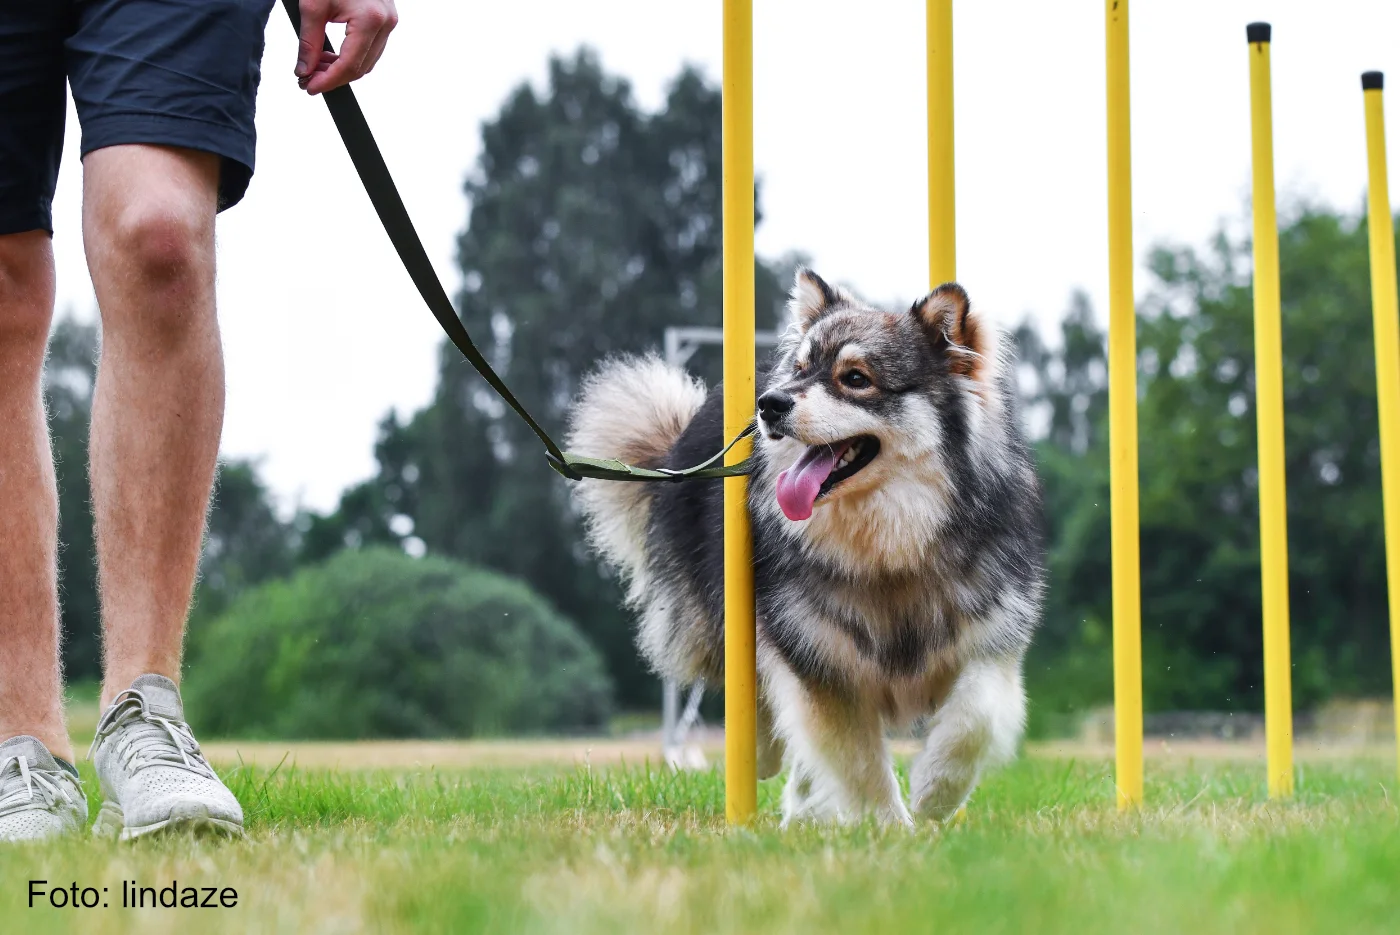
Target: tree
{"x": 593, "y": 226}
{"x": 245, "y": 542}
{"x": 373, "y": 643}
{"x": 1200, "y": 480}
{"x": 1202, "y": 615}
{"x": 1066, "y": 387}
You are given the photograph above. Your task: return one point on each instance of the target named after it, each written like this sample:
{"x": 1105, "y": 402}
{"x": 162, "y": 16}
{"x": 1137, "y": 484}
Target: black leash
{"x": 384, "y": 195}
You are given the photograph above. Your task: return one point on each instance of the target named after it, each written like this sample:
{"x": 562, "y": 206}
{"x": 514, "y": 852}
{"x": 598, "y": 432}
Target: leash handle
{"x": 393, "y": 215}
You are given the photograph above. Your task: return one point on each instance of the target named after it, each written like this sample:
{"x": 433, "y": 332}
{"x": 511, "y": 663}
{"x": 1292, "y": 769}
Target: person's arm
{"x": 367, "y": 27}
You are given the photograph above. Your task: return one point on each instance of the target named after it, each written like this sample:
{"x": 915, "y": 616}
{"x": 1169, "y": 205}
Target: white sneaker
{"x": 153, "y": 775}
{"x": 39, "y": 798}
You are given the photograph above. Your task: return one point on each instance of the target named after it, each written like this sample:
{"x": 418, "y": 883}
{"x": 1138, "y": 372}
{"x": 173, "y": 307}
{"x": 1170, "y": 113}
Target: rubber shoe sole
{"x": 189, "y": 818}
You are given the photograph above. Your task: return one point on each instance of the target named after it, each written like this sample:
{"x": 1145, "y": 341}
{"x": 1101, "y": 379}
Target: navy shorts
{"x": 164, "y": 72}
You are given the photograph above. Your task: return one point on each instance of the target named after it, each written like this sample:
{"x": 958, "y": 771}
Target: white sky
{"x": 324, "y": 332}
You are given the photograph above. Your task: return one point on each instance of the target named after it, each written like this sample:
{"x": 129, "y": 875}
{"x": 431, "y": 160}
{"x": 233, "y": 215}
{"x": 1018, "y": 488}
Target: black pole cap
{"x": 1372, "y": 81}
{"x": 1258, "y": 32}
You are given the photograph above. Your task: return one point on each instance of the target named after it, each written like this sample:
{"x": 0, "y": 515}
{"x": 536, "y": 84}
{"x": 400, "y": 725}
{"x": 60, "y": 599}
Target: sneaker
{"x": 153, "y": 775}
{"x": 39, "y": 797}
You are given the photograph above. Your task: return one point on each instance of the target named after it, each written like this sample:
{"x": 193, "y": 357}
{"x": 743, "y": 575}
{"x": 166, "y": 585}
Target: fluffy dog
{"x": 897, "y": 544}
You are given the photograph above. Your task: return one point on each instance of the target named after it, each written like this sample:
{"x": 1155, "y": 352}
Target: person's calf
{"x": 30, "y": 682}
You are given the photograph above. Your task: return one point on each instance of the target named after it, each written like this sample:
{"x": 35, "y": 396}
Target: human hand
{"x": 367, "y": 27}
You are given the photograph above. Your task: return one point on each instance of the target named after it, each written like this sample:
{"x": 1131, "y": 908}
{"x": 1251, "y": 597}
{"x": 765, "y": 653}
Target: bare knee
{"x": 163, "y": 239}
{"x": 26, "y": 295}
{"x": 163, "y": 247}
{"x": 157, "y": 276}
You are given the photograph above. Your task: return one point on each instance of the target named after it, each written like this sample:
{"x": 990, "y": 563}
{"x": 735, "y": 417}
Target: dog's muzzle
{"x": 773, "y": 407}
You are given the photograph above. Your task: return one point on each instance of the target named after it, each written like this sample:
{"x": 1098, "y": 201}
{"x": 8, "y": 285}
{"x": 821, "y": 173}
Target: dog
{"x": 898, "y": 548}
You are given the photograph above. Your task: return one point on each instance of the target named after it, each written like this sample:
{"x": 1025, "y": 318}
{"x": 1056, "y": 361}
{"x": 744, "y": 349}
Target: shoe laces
{"x": 32, "y": 782}
{"x": 148, "y": 739}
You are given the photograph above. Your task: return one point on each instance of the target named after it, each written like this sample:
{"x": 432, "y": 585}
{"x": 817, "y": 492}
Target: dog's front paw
{"x": 812, "y": 802}
{"x": 938, "y": 790}
{"x": 942, "y": 802}
{"x": 895, "y": 814}
{"x": 801, "y": 801}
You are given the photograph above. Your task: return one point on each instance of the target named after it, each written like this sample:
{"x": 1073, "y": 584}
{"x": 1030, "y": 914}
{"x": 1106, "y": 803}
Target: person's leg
{"x": 32, "y": 101}
{"x": 164, "y": 90}
{"x": 30, "y": 681}
{"x": 148, "y": 225}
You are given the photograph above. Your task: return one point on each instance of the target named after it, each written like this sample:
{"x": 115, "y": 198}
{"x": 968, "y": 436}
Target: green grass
{"x": 1041, "y": 850}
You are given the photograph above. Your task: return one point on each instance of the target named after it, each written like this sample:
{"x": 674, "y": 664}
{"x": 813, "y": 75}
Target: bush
{"x": 376, "y": 644}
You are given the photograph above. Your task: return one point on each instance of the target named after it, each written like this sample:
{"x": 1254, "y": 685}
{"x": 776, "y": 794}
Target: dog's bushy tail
{"x": 632, "y": 409}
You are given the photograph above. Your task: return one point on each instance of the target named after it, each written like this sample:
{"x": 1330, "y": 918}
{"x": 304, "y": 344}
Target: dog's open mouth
{"x": 819, "y": 469}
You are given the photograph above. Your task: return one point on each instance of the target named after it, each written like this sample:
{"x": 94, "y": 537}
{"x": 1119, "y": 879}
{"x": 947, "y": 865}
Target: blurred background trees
{"x": 593, "y": 225}
{"x": 1202, "y": 638}
{"x": 374, "y": 643}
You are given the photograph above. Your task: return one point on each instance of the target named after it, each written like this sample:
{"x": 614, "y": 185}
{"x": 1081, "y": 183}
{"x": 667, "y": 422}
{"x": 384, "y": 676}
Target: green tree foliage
{"x": 376, "y": 644}
{"x": 593, "y": 226}
{"x": 365, "y": 511}
{"x": 245, "y": 542}
{"x": 1202, "y": 638}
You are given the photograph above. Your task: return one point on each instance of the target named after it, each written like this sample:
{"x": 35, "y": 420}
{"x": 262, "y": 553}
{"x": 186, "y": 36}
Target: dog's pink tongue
{"x": 799, "y": 485}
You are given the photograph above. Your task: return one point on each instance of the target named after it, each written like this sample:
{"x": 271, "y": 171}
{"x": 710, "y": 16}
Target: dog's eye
{"x": 855, "y": 379}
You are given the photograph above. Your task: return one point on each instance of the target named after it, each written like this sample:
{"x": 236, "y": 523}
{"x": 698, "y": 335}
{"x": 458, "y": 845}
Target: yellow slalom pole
{"x": 942, "y": 214}
{"x": 1122, "y": 419}
{"x": 1386, "y": 311}
{"x": 1268, "y": 389}
{"x": 740, "y": 680}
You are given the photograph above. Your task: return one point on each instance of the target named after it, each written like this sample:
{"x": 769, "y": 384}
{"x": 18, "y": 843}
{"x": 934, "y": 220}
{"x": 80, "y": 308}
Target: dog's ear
{"x": 810, "y": 298}
{"x": 952, "y": 328}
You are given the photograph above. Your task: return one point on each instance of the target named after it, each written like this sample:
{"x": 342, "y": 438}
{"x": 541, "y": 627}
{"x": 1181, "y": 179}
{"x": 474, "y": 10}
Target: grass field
{"x": 580, "y": 850}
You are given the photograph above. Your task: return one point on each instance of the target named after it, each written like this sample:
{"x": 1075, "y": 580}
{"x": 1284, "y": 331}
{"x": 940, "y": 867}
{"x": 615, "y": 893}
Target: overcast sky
{"x": 324, "y": 332}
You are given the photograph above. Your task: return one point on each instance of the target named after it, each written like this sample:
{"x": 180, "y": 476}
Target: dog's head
{"x": 861, "y": 398}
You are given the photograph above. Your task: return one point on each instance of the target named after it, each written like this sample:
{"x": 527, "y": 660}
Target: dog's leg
{"x": 977, "y": 725}
{"x": 770, "y": 745}
{"x": 841, "y": 766}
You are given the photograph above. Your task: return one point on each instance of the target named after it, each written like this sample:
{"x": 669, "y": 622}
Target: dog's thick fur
{"x": 912, "y": 589}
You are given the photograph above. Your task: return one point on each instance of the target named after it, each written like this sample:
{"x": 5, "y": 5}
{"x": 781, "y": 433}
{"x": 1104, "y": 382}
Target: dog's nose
{"x": 775, "y": 404}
